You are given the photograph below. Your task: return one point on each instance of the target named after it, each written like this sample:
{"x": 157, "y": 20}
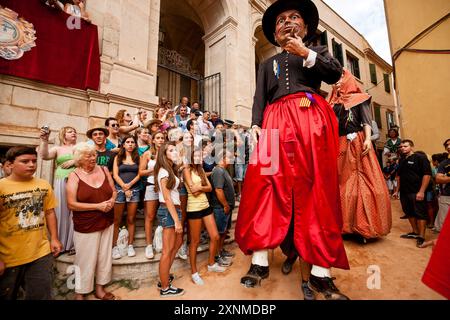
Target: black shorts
{"x": 36, "y": 278}
{"x": 191, "y": 215}
{"x": 413, "y": 208}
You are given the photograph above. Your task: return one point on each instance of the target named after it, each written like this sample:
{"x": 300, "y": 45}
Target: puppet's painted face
{"x": 289, "y": 23}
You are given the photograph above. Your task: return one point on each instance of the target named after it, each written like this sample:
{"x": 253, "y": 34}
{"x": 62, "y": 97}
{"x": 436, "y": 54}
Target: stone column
{"x": 153, "y": 42}
{"x": 220, "y": 56}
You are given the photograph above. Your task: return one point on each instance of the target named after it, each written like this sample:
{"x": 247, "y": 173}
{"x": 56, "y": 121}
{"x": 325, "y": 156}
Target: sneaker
{"x": 197, "y": 279}
{"x": 226, "y": 254}
{"x": 411, "y": 235}
{"x": 171, "y": 292}
{"x": 149, "y": 252}
{"x": 223, "y": 262}
{"x": 131, "y": 252}
{"x": 116, "y": 253}
{"x": 182, "y": 252}
{"x": 308, "y": 294}
{"x": 216, "y": 268}
{"x": 171, "y": 278}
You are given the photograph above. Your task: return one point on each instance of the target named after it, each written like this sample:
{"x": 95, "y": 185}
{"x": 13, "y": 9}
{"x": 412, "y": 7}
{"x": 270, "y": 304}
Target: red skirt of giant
{"x": 437, "y": 275}
{"x": 293, "y": 171}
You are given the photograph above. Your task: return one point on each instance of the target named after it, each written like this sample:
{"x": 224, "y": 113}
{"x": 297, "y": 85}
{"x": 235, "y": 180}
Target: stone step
{"x": 139, "y": 267}
{"x": 140, "y": 232}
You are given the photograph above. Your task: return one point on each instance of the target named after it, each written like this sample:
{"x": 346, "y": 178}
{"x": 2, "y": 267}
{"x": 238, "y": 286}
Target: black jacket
{"x": 292, "y": 78}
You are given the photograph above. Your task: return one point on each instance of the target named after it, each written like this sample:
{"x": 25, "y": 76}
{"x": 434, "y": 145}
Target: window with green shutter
{"x": 353, "y": 65}
{"x": 387, "y": 85}
{"x": 377, "y": 114}
{"x": 373, "y": 73}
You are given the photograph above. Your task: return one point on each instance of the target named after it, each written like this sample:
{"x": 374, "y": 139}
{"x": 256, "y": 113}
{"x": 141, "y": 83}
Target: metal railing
{"x": 210, "y": 93}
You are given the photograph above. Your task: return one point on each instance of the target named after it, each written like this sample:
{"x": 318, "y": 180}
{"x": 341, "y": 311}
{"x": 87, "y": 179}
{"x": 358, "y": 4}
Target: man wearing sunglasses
{"x": 113, "y": 140}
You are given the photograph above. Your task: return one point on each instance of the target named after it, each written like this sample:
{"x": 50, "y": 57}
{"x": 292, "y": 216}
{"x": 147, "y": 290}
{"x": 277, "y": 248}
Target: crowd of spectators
{"x": 183, "y": 166}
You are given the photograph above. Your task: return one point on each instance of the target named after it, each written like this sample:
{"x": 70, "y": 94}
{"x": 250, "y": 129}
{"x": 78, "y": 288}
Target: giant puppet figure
{"x": 298, "y": 132}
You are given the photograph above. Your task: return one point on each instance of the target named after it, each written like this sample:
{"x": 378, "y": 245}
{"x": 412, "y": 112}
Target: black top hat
{"x": 91, "y": 131}
{"x": 307, "y": 9}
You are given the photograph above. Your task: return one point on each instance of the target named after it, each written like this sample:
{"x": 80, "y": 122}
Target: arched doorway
{"x": 181, "y": 52}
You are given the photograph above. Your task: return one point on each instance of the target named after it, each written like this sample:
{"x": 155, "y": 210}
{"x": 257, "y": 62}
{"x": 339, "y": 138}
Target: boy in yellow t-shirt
{"x": 26, "y": 212}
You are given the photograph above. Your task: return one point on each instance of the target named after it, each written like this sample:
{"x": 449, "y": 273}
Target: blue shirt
{"x": 110, "y": 145}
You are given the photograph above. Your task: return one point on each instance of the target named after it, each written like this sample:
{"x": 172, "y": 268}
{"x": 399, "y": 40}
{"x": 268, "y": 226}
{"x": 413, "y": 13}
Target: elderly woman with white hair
{"x": 91, "y": 196}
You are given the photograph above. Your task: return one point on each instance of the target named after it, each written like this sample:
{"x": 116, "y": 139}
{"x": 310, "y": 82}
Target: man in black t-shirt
{"x": 413, "y": 177}
{"x": 105, "y": 158}
{"x": 443, "y": 178}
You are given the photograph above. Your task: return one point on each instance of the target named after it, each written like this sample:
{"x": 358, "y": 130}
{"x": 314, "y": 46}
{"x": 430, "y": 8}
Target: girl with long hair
{"x": 65, "y": 164}
{"x": 185, "y": 147}
{"x": 198, "y": 211}
{"x": 169, "y": 214}
{"x": 151, "y": 198}
{"x": 126, "y": 176}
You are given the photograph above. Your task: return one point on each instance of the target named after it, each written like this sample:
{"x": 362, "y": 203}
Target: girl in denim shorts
{"x": 199, "y": 212}
{"x": 169, "y": 214}
{"x": 126, "y": 177}
{"x": 151, "y": 198}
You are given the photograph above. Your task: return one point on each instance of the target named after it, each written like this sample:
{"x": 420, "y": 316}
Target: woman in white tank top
{"x": 151, "y": 199}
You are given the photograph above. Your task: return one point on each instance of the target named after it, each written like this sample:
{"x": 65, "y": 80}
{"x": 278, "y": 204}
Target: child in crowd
{"x": 27, "y": 209}
{"x": 198, "y": 212}
{"x": 169, "y": 215}
{"x": 151, "y": 198}
{"x": 126, "y": 176}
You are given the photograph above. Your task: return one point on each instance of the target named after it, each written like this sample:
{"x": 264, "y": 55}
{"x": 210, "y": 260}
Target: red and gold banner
{"x": 66, "y": 52}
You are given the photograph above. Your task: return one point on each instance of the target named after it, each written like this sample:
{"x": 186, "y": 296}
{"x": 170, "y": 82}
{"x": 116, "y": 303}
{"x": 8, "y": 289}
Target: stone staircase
{"x": 140, "y": 268}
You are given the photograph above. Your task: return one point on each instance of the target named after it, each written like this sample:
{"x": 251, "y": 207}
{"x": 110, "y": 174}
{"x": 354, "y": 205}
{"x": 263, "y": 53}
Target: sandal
{"x": 427, "y": 244}
{"x": 107, "y": 296}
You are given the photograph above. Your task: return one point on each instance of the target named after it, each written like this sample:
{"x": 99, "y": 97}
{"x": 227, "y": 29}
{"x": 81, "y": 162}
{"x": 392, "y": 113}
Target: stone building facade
{"x": 208, "y": 50}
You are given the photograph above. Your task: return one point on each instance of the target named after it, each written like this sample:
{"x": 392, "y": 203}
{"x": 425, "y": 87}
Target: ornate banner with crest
{"x": 17, "y": 35}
